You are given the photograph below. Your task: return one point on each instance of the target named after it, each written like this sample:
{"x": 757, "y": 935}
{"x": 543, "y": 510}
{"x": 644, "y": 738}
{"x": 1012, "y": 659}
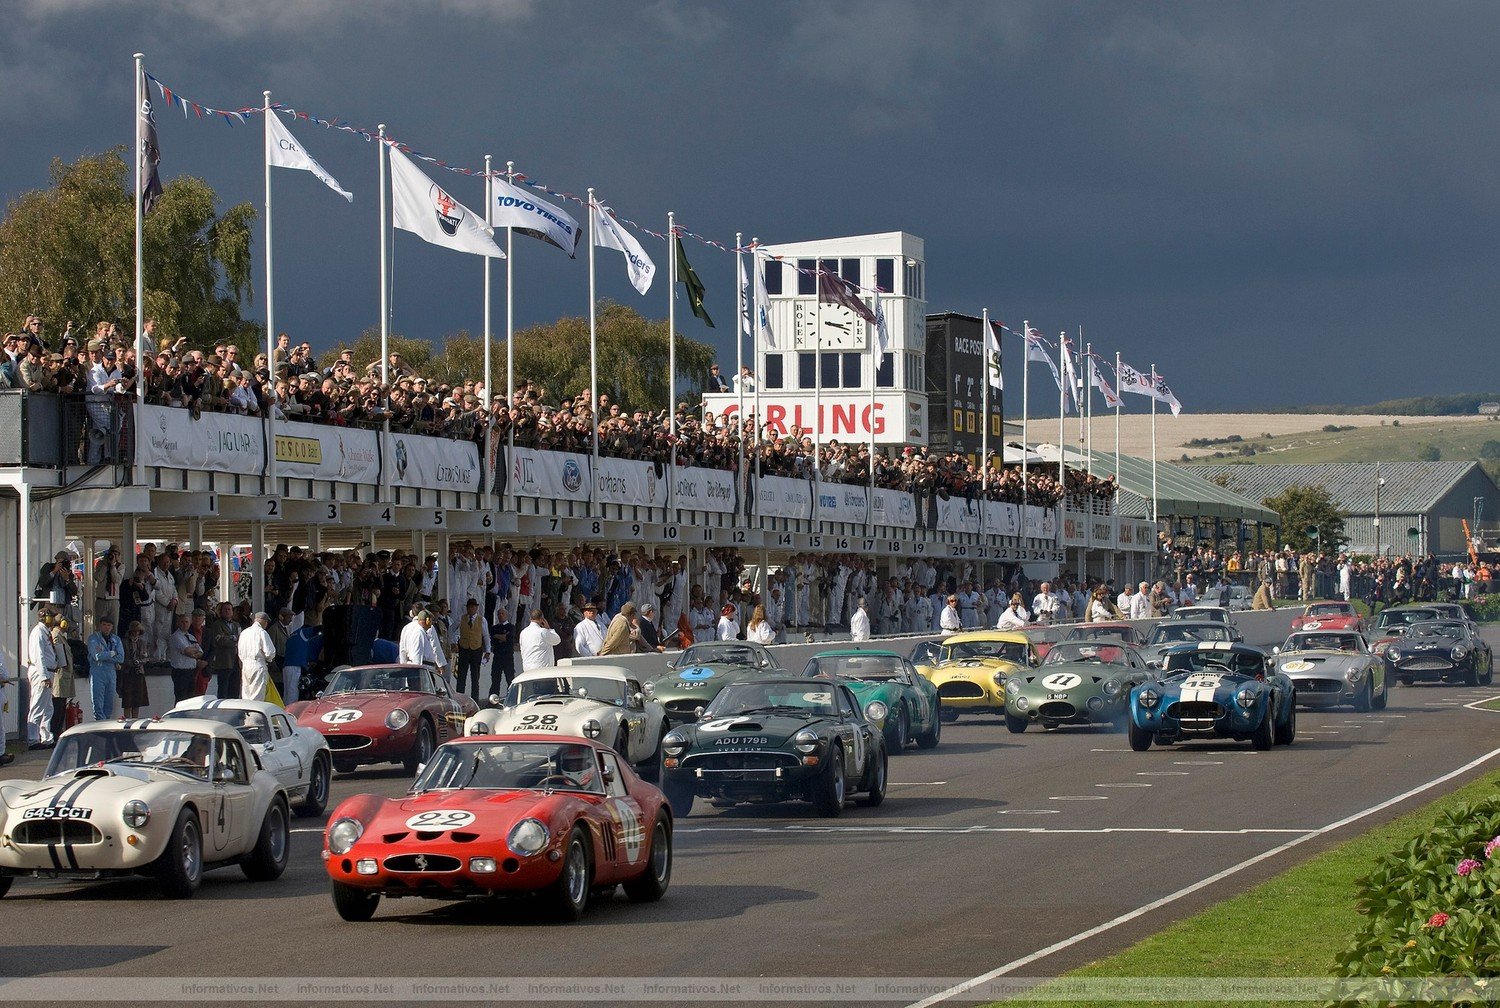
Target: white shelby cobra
{"x": 604, "y": 702}
{"x": 164, "y": 798}
{"x": 298, "y": 756}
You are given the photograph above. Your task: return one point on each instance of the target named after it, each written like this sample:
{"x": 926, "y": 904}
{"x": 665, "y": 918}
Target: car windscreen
{"x": 1189, "y": 633}
{"x": 1404, "y": 617}
{"x": 1451, "y": 631}
{"x": 1245, "y": 663}
{"x": 251, "y": 724}
{"x": 610, "y": 691}
{"x": 526, "y": 765}
{"x": 378, "y": 677}
{"x": 722, "y": 654}
{"x": 926, "y": 653}
{"x": 875, "y": 668}
{"x": 183, "y": 751}
{"x": 1323, "y": 642}
{"x": 1330, "y": 609}
{"x": 1010, "y": 651}
{"x": 741, "y": 698}
{"x": 1092, "y": 652}
{"x": 1200, "y": 613}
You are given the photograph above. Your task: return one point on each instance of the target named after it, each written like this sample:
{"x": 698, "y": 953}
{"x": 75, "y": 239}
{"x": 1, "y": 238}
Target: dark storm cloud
{"x": 1224, "y": 189}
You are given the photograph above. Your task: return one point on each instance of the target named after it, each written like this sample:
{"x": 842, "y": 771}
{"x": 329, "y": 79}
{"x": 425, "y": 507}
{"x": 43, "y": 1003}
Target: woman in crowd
{"x": 134, "y": 696}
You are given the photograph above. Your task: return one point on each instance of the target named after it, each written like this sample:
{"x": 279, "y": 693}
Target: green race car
{"x": 776, "y": 740}
{"x": 1081, "y": 682}
{"x": 703, "y": 669}
{"x": 908, "y": 702}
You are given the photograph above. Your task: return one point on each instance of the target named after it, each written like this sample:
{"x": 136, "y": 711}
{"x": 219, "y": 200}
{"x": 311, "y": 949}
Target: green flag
{"x": 691, "y": 282}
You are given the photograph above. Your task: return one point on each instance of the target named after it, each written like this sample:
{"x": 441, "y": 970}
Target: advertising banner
{"x": 783, "y": 497}
{"x": 429, "y": 463}
{"x": 1075, "y": 529}
{"x": 1101, "y": 532}
{"x": 312, "y": 451}
{"x": 1039, "y": 523}
{"x": 958, "y": 514}
{"x": 1002, "y": 519}
{"x": 895, "y": 508}
{"x": 626, "y": 481}
{"x": 695, "y": 489}
{"x": 842, "y": 502}
{"x": 215, "y": 442}
{"x": 558, "y": 475}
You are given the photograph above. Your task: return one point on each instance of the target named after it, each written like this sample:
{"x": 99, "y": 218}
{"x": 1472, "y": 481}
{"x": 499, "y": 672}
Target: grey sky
{"x": 1274, "y": 202}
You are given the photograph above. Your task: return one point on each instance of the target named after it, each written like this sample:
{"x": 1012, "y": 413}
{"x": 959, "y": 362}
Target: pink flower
{"x": 1491, "y": 847}
{"x": 1467, "y": 865}
{"x": 1436, "y": 920}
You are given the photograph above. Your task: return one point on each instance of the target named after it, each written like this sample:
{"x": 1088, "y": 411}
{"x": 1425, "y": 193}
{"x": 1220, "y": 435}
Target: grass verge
{"x": 1288, "y": 926}
{"x": 1493, "y": 705}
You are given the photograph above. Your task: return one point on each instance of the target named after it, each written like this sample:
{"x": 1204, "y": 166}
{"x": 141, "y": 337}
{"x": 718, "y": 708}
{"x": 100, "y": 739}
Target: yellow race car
{"x": 970, "y": 669}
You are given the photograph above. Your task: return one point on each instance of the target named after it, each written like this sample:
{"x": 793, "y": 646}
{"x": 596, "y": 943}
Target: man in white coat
{"x": 859, "y": 623}
{"x": 1046, "y": 604}
{"x": 256, "y": 651}
{"x": 537, "y": 643}
{"x": 419, "y": 644}
{"x": 1140, "y": 603}
{"x": 588, "y": 635}
{"x": 41, "y": 665}
{"x": 949, "y": 621}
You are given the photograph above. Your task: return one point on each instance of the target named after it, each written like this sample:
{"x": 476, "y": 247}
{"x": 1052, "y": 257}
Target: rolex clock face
{"x": 841, "y": 328}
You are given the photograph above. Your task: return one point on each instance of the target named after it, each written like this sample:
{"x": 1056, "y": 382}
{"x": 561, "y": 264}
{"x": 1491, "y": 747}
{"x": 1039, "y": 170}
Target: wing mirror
{"x": 1276, "y": 650}
{"x": 495, "y": 700}
{"x": 609, "y": 775}
{"x": 319, "y": 696}
{"x": 583, "y": 693}
{"x": 639, "y": 698}
{"x": 223, "y": 775}
{"x": 698, "y": 713}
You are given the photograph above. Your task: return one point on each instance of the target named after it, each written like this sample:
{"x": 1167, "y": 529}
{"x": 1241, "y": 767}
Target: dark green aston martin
{"x": 776, "y": 740}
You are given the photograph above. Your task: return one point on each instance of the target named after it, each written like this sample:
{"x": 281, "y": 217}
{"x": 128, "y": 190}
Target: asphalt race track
{"x": 987, "y": 850}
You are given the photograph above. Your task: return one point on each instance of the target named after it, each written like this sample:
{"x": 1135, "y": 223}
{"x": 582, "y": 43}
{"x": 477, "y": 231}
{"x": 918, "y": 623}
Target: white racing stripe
{"x": 1203, "y": 883}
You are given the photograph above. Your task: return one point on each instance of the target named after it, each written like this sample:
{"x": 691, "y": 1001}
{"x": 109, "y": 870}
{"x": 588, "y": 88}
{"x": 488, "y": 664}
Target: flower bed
{"x": 1486, "y": 607}
{"x": 1430, "y": 908}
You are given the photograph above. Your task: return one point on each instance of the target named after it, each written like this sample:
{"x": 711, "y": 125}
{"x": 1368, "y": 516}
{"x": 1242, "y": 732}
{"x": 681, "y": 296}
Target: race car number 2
{"x": 342, "y": 715}
{"x": 440, "y": 819}
{"x": 66, "y": 812}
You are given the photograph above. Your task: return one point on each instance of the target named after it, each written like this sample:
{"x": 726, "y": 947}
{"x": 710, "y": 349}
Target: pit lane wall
{"x": 1262, "y": 629}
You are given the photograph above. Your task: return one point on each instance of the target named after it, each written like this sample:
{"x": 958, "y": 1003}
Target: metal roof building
{"x": 1430, "y": 499}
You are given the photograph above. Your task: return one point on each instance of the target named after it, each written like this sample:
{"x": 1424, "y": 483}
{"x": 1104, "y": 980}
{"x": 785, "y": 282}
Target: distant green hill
{"x": 1466, "y": 439}
{"x": 1460, "y": 404}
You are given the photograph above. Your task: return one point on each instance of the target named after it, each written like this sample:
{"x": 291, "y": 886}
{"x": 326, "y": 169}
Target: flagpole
{"x": 1062, "y": 411}
{"x": 1119, "y": 402}
{"x": 984, "y": 433}
{"x": 739, "y": 346}
{"x": 489, "y": 422}
{"x": 141, "y": 350}
{"x": 1025, "y": 395}
{"x": 818, "y": 372}
{"x": 270, "y": 298}
{"x": 671, "y": 323}
{"x": 1153, "y": 443}
{"x": 1088, "y": 401}
{"x": 875, "y": 357}
{"x": 755, "y": 264}
{"x": 510, "y": 320}
{"x": 593, "y": 363}
{"x": 383, "y": 157}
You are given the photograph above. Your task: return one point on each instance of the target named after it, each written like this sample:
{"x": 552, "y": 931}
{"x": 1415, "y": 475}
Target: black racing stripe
{"x": 62, "y": 792}
{"x": 72, "y": 857}
{"x": 52, "y": 853}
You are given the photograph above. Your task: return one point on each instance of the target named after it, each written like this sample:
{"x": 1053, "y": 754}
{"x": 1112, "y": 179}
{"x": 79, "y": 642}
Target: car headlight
{"x": 1149, "y": 698}
{"x": 136, "y": 813}
{"x": 674, "y": 744}
{"x": 397, "y": 719}
{"x": 1000, "y": 678}
{"x": 592, "y": 728}
{"x": 1022, "y": 703}
{"x": 1012, "y": 685}
{"x": 1355, "y": 674}
{"x": 805, "y": 740}
{"x": 1111, "y": 687}
{"x": 1460, "y": 653}
{"x": 528, "y": 837}
{"x": 479, "y": 727}
{"x": 1245, "y": 698}
{"x": 875, "y": 713}
{"x": 343, "y": 834}
{"x": 1393, "y": 653}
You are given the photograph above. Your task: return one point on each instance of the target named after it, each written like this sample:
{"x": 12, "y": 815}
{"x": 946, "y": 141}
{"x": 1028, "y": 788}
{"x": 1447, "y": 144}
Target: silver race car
{"x": 1333, "y": 667}
{"x": 1171, "y": 632}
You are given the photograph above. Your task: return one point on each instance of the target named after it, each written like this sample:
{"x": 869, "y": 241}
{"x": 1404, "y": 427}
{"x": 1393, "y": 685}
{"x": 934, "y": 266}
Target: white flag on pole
{"x": 747, "y": 300}
{"x": 1164, "y": 394}
{"x": 1097, "y": 379}
{"x": 882, "y": 332}
{"x": 513, "y": 207}
{"x": 285, "y": 152}
{"x": 1036, "y": 350}
{"x": 1069, "y": 373}
{"x": 420, "y": 205}
{"x": 992, "y": 356}
{"x": 609, "y": 233}
{"x": 1132, "y": 380}
{"x": 763, "y": 333}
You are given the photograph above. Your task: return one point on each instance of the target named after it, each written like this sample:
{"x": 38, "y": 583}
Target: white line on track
{"x": 1197, "y": 762}
{"x": 1132, "y": 784}
{"x": 1082, "y": 797}
{"x": 1203, "y": 883}
{"x": 1030, "y": 811}
{"x": 961, "y": 830}
{"x": 1109, "y": 750}
{"x": 308, "y": 829}
{"x": 1479, "y": 704}
{"x": 916, "y": 783}
{"x": 1161, "y": 773}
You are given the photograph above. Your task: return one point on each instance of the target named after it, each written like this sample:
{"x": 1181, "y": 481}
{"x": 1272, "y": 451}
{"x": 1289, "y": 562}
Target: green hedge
{"x": 1429, "y": 909}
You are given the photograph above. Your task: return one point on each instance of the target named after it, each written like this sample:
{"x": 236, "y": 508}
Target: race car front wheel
{"x": 422, "y": 751}
{"x": 5, "y": 881}
{"x": 1265, "y": 733}
{"x": 651, "y": 884}
{"x": 317, "y": 790}
{"x": 180, "y": 866}
{"x": 353, "y": 903}
{"x": 570, "y": 893}
{"x": 1140, "y": 738}
{"x": 268, "y": 860}
{"x": 828, "y": 793}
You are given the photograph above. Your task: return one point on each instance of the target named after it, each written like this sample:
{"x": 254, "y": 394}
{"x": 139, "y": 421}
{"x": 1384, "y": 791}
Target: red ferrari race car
{"x": 1043, "y": 637}
{"x": 1329, "y": 616}
{"x": 560, "y": 817}
{"x": 385, "y": 714}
